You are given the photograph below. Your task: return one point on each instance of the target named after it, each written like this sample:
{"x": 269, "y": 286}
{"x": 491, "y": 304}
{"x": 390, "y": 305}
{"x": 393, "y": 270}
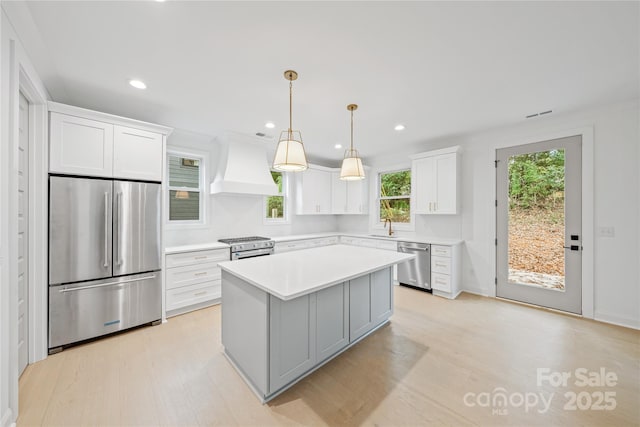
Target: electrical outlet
{"x": 606, "y": 231}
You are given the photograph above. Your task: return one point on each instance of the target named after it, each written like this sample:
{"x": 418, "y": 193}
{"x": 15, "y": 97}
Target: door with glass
{"x": 539, "y": 223}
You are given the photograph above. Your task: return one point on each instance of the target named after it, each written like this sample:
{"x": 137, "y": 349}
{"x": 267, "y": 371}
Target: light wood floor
{"x": 415, "y": 371}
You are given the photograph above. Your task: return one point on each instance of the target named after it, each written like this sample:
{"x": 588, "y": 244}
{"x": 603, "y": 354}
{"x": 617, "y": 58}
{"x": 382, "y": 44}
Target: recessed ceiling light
{"x": 269, "y": 125}
{"x": 160, "y": 1}
{"x": 337, "y": 146}
{"x": 137, "y": 84}
{"x": 399, "y": 127}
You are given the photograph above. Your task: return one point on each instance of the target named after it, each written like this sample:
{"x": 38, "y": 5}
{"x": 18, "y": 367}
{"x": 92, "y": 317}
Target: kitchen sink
{"x": 383, "y": 235}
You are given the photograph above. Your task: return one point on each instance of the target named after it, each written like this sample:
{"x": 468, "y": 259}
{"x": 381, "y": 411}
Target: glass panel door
{"x": 538, "y": 243}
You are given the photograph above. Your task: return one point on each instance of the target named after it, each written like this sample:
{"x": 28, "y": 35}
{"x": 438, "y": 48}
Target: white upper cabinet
{"x": 85, "y": 142}
{"x": 80, "y": 146}
{"x": 137, "y": 154}
{"x": 436, "y": 181}
{"x": 313, "y": 195}
{"x": 338, "y": 194}
{"x": 348, "y": 197}
{"x": 357, "y": 196}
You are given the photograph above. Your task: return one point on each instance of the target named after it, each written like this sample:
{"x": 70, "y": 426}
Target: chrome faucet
{"x": 385, "y": 225}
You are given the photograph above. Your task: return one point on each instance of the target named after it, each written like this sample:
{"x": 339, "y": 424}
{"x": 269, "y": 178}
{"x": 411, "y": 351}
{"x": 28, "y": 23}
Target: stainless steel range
{"x": 248, "y": 247}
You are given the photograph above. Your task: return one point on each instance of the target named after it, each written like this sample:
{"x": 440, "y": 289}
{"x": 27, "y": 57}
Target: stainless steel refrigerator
{"x": 104, "y": 257}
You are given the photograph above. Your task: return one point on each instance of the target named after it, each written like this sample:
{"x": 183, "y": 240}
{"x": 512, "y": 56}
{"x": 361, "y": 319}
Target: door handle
{"x": 119, "y": 221}
{"x": 106, "y": 226}
{"x": 573, "y": 247}
{"x": 102, "y": 285}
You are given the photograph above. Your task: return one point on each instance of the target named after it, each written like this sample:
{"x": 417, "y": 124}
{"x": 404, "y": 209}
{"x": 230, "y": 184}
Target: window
{"x": 185, "y": 188}
{"x": 395, "y": 196}
{"x": 275, "y": 207}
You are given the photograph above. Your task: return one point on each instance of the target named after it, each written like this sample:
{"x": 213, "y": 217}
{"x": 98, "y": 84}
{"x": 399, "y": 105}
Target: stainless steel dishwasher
{"x": 417, "y": 272}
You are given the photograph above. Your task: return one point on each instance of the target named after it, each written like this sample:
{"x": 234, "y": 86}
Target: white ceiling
{"x": 441, "y": 69}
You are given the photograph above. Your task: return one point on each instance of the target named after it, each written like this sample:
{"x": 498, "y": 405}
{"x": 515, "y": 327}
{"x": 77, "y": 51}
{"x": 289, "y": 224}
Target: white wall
{"x": 234, "y": 215}
{"x": 616, "y": 203}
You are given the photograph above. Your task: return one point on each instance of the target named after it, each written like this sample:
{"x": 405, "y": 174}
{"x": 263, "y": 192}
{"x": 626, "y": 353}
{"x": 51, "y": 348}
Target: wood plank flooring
{"x": 416, "y": 371}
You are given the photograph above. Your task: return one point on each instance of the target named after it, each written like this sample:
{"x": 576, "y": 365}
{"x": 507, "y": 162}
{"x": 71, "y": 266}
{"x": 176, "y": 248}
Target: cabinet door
{"x": 137, "y": 154}
{"x": 338, "y": 194}
{"x": 446, "y": 184}
{"x": 80, "y": 146}
{"x": 360, "y": 320}
{"x": 423, "y": 185}
{"x": 357, "y": 197}
{"x": 332, "y": 313}
{"x": 314, "y": 192}
{"x": 381, "y": 295}
{"x": 292, "y": 349}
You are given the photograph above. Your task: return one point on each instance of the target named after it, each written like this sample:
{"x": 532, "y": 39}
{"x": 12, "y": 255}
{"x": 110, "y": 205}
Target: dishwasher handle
{"x": 413, "y": 247}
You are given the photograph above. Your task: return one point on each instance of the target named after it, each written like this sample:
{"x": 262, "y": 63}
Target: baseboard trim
{"x": 5, "y": 421}
{"x": 616, "y": 320}
{"x": 476, "y": 291}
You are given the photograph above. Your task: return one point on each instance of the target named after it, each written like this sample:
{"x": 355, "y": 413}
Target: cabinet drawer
{"x": 441, "y": 282}
{"x": 441, "y": 265}
{"x": 193, "y": 294}
{"x": 198, "y": 257}
{"x": 191, "y": 274}
{"x": 444, "y": 251}
{"x": 291, "y": 246}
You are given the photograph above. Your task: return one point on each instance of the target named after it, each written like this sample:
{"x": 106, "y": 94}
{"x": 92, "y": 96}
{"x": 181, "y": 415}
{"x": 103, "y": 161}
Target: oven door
{"x": 251, "y": 254}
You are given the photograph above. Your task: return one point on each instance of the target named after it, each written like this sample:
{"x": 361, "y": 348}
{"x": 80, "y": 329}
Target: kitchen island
{"x": 285, "y": 315}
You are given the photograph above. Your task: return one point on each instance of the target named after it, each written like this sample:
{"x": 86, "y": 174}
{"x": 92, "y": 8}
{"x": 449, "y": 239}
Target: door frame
{"x": 38, "y": 226}
{"x": 21, "y": 76}
{"x": 588, "y": 207}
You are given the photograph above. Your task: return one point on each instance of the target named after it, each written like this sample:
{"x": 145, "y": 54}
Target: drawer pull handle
{"x": 200, "y": 257}
{"x": 440, "y": 265}
{"x": 202, "y": 273}
{"x": 197, "y": 294}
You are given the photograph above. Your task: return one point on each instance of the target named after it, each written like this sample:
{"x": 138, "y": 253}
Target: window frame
{"x": 375, "y": 217}
{"x": 203, "y": 159}
{"x": 286, "y": 217}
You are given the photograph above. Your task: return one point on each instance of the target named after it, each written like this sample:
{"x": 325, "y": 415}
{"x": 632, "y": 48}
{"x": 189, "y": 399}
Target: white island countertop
{"x": 292, "y": 274}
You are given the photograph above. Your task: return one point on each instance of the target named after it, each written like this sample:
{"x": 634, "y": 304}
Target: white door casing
{"x": 571, "y": 298}
{"x": 23, "y": 233}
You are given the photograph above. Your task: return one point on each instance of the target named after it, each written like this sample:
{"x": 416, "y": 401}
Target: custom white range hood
{"x": 244, "y": 167}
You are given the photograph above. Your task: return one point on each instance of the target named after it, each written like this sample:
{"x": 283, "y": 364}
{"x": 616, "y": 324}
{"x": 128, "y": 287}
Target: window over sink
{"x": 186, "y": 188}
{"x": 394, "y": 196}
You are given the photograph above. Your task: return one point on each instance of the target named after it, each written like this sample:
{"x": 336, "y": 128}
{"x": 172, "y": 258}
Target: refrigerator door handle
{"x": 102, "y": 285}
{"x": 117, "y": 231}
{"x": 106, "y": 230}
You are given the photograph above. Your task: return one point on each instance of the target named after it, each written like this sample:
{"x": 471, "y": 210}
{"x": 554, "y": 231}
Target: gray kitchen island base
{"x": 273, "y": 343}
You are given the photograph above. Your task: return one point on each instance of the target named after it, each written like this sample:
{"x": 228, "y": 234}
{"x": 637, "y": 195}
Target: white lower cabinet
{"x": 445, "y": 270}
{"x": 193, "y": 279}
{"x": 296, "y": 245}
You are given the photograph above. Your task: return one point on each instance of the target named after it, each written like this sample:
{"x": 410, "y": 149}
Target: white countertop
{"x": 293, "y": 274}
{"x": 200, "y": 247}
{"x": 405, "y": 237}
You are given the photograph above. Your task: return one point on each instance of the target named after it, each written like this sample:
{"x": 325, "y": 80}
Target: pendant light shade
{"x": 290, "y": 155}
{"x": 351, "y": 169}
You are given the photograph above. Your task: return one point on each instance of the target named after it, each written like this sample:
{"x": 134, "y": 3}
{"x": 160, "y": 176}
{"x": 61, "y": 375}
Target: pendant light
{"x": 352, "y": 169}
{"x": 290, "y": 155}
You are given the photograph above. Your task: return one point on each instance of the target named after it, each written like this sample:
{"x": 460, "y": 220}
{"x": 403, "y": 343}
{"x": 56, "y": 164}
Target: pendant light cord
{"x": 290, "y": 106}
{"x": 352, "y": 131}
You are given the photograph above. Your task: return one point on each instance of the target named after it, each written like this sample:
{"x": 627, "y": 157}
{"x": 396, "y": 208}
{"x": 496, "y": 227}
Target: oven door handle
{"x": 251, "y": 254}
